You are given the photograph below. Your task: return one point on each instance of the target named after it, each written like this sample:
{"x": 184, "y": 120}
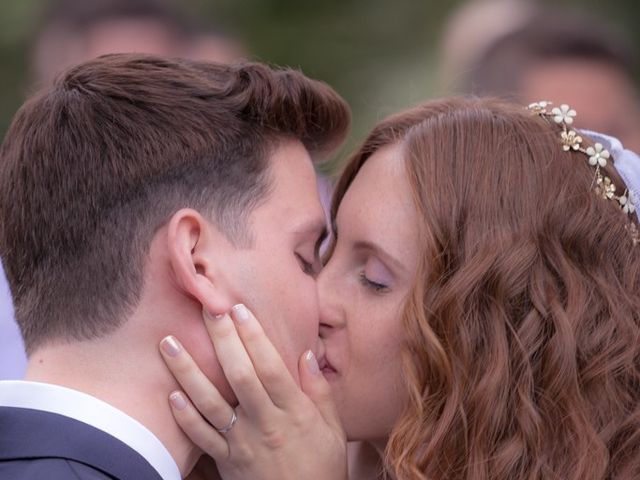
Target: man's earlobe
{"x": 193, "y": 245}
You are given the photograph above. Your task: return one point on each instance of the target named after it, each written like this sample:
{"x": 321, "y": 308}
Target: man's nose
{"x": 331, "y": 303}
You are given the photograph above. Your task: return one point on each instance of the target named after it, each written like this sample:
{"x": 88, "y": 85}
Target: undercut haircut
{"x": 94, "y": 165}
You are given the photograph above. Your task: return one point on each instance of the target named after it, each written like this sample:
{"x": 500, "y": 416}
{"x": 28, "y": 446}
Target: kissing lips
{"x": 326, "y": 368}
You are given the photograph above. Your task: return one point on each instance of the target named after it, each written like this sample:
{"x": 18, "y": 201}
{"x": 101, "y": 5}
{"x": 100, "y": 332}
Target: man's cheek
{"x": 281, "y": 337}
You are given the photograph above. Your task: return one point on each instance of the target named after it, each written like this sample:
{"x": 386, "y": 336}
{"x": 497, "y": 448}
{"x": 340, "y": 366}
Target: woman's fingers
{"x": 201, "y": 391}
{"x": 277, "y": 420}
{"x": 197, "y": 429}
{"x": 316, "y": 387}
{"x": 271, "y": 369}
{"x": 237, "y": 365}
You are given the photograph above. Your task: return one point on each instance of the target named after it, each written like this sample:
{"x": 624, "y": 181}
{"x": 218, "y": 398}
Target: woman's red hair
{"x": 523, "y": 339}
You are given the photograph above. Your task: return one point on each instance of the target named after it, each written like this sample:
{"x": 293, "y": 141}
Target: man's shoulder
{"x": 49, "y": 469}
{"x": 43, "y": 445}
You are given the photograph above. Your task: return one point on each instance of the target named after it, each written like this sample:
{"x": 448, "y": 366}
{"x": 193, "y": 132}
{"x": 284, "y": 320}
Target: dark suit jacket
{"x": 36, "y": 445}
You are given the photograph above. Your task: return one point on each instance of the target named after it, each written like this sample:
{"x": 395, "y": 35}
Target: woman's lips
{"x": 325, "y": 367}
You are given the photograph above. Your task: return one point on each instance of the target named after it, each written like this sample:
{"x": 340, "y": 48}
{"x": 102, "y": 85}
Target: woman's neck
{"x": 365, "y": 460}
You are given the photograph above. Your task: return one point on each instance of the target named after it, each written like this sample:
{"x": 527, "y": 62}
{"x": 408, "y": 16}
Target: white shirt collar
{"x": 94, "y": 412}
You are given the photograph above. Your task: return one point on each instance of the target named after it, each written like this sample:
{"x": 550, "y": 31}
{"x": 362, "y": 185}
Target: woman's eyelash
{"x": 378, "y": 287}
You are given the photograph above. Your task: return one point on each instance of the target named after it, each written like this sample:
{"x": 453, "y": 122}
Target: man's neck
{"x": 122, "y": 379}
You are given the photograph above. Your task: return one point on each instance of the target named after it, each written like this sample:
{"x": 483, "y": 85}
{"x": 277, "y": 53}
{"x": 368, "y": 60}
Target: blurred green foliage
{"x": 380, "y": 55}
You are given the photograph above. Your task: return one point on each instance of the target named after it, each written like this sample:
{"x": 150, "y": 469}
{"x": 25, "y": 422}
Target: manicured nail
{"x": 242, "y": 314}
{"x": 312, "y": 363}
{"x": 170, "y": 346}
{"x": 206, "y": 315}
{"x": 178, "y": 401}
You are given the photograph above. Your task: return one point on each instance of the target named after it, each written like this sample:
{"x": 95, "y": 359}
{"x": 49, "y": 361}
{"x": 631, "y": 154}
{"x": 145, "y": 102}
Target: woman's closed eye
{"x": 376, "y": 276}
{"x": 377, "y": 287}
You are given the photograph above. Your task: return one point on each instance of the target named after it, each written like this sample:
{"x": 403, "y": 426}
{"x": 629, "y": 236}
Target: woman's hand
{"x": 279, "y": 431}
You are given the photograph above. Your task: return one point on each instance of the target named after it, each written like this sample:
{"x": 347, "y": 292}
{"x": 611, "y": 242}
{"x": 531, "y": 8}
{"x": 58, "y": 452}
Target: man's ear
{"x": 194, "y": 245}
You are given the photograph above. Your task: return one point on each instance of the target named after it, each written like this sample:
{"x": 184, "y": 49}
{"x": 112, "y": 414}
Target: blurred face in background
{"x": 601, "y": 93}
{"x": 59, "y": 47}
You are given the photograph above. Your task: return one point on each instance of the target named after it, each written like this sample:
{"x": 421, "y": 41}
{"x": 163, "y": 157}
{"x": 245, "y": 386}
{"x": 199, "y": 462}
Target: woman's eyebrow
{"x": 381, "y": 252}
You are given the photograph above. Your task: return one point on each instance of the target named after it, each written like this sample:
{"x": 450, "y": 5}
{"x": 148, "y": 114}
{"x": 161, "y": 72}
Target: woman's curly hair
{"x": 523, "y": 334}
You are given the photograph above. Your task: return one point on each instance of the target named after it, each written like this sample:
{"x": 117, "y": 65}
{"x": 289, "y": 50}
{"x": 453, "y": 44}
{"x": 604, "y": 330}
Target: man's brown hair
{"x": 92, "y": 166}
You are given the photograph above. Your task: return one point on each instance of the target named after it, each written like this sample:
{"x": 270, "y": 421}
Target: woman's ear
{"x": 194, "y": 244}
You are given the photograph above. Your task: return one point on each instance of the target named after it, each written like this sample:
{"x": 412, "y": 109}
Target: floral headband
{"x": 598, "y": 156}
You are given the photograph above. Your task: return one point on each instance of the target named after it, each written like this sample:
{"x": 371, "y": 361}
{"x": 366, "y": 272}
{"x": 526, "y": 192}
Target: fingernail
{"x": 170, "y": 346}
{"x": 178, "y": 401}
{"x": 206, "y": 315}
{"x": 312, "y": 363}
{"x": 242, "y": 314}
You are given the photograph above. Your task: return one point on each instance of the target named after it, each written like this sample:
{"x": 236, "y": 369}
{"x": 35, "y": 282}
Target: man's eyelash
{"x": 307, "y": 267}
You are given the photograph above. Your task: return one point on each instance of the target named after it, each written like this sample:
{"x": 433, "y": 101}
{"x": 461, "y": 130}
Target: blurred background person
{"x": 538, "y": 53}
{"x": 72, "y": 31}
{"x": 470, "y": 31}
{"x": 381, "y": 57}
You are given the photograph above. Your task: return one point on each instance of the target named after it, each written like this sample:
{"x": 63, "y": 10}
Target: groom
{"x": 133, "y": 191}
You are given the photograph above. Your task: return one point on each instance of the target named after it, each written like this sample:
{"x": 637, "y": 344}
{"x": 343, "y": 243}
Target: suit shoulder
{"x": 49, "y": 469}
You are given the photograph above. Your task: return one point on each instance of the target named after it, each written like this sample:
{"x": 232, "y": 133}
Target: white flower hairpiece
{"x": 563, "y": 115}
{"x": 598, "y": 157}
